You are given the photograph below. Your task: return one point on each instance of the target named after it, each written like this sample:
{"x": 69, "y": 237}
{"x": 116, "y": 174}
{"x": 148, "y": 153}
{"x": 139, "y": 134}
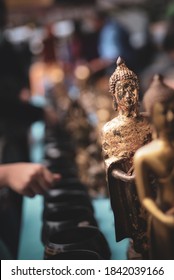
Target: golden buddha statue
{"x": 157, "y": 159}
{"x": 120, "y": 138}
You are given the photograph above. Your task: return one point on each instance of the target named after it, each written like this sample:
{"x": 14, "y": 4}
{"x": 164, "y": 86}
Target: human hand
{"x": 28, "y": 178}
{"x": 121, "y": 175}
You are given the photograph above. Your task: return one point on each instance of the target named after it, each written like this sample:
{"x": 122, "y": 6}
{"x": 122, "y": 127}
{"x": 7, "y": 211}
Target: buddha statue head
{"x": 158, "y": 102}
{"x": 124, "y": 87}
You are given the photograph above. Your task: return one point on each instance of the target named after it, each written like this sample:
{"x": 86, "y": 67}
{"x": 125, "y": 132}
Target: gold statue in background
{"x": 121, "y": 137}
{"x": 157, "y": 159}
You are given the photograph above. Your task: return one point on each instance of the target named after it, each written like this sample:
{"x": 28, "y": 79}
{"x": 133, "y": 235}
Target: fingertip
{"x": 57, "y": 177}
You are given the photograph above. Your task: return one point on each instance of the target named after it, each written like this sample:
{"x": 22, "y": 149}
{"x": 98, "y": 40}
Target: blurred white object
{"x": 63, "y": 28}
{"x": 18, "y": 34}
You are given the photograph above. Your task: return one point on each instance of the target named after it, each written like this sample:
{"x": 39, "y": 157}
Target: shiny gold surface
{"x": 157, "y": 159}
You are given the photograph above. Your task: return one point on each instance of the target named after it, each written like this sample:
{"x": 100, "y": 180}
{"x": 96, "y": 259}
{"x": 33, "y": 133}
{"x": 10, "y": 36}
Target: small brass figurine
{"x": 157, "y": 159}
{"x": 120, "y": 138}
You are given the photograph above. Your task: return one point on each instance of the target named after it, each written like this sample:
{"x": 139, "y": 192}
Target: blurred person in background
{"x": 26, "y": 179}
{"x": 108, "y": 39}
{"x": 16, "y": 117}
{"x": 163, "y": 58}
{"x": 113, "y": 39}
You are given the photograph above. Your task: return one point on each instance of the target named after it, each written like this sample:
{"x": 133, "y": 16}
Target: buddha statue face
{"x": 126, "y": 95}
{"x": 163, "y": 118}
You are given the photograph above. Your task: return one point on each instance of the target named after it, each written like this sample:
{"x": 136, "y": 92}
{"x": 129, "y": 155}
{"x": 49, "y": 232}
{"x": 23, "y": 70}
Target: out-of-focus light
{"x": 36, "y": 41}
{"x": 103, "y": 115}
{"x": 36, "y": 47}
{"x": 56, "y": 74}
{"x": 82, "y": 72}
{"x": 18, "y": 34}
{"x": 63, "y": 28}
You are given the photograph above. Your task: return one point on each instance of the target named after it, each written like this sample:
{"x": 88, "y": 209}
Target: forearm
{"x": 119, "y": 174}
{"x": 27, "y": 178}
{"x": 142, "y": 176}
{"x": 156, "y": 212}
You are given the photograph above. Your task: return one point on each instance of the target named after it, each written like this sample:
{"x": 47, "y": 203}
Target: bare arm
{"x": 151, "y": 206}
{"x": 27, "y": 178}
{"x": 119, "y": 174}
{"x": 144, "y": 191}
{"x": 141, "y": 175}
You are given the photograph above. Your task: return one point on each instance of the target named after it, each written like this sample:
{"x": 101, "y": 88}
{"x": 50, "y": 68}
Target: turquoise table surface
{"x": 31, "y": 247}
